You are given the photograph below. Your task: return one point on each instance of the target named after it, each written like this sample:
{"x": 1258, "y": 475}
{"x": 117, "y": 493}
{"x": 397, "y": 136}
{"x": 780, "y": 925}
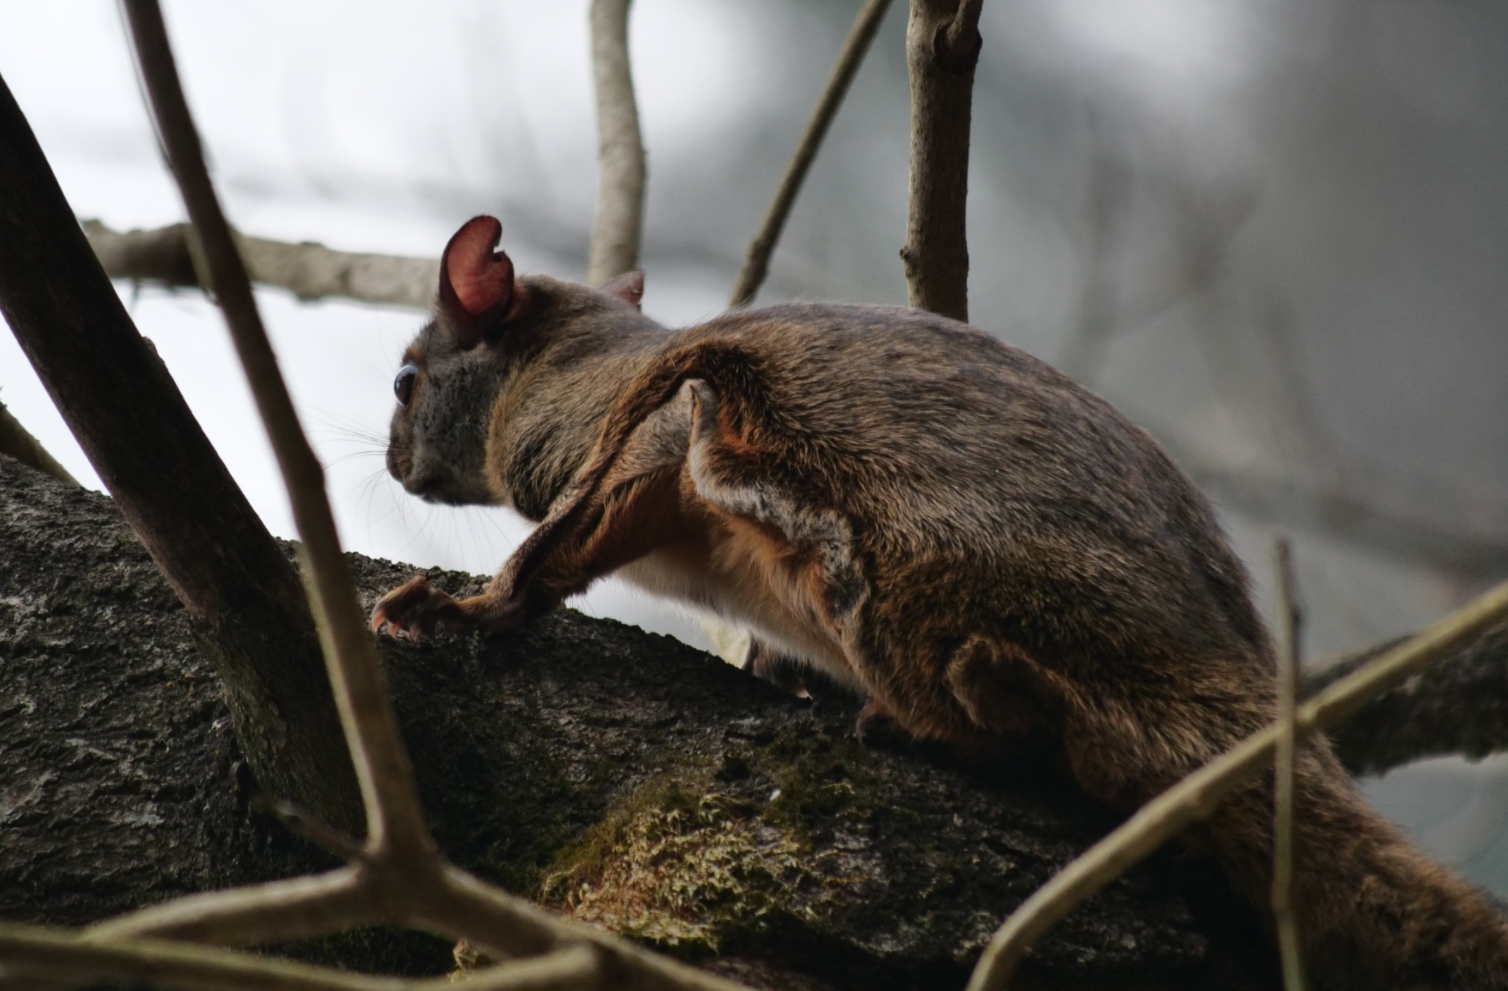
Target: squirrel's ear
{"x": 476, "y": 283}
{"x": 628, "y": 287}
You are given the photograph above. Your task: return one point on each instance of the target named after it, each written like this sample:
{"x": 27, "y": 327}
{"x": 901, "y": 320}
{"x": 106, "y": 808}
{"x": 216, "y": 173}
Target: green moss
{"x": 680, "y": 870}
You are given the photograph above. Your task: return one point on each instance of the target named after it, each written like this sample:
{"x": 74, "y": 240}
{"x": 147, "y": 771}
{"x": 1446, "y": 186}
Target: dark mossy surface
{"x": 619, "y": 776}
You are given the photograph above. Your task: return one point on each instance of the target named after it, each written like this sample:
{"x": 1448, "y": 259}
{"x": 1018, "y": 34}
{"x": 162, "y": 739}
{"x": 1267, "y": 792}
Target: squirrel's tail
{"x": 1372, "y": 911}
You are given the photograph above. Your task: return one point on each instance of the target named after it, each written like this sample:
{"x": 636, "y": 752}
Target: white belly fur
{"x": 732, "y": 586}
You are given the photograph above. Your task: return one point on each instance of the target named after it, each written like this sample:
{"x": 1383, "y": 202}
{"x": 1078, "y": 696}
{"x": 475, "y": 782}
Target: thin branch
{"x": 165, "y": 256}
{"x": 45, "y": 954}
{"x": 300, "y": 823}
{"x": 18, "y": 442}
{"x": 618, "y": 226}
{"x": 394, "y": 817}
{"x": 265, "y": 913}
{"x": 942, "y": 50}
{"x": 757, "y": 262}
{"x": 1290, "y": 623}
{"x": 1197, "y": 795}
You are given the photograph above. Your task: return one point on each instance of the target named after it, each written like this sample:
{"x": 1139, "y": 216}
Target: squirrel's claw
{"x": 416, "y": 608}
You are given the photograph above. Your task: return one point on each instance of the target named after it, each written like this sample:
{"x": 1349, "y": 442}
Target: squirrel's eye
{"x": 403, "y": 385}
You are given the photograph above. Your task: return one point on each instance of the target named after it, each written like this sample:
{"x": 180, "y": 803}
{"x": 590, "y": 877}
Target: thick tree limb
{"x": 757, "y": 262}
{"x": 942, "y": 50}
{"x": 18, "y": 442}
{"x": 248, "y": 608}
{"x": 541, "y": 756}
{"x": 1455, "y": 708}
{"x": 1197, "y": 795}
{"x": 618, "y": 226}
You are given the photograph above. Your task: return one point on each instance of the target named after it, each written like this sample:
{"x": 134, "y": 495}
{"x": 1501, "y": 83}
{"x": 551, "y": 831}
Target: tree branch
{"x": 757, "y": 262}
{"x": 1459, "y": 707}
{"x": 395, "y": 822}
{"x": 1475, "y": 556}
{"x": 45, "y": 954}
{"x": 248, "y": 608}
{"x": 1290, "y": 623}
{"x": 269, "y": 913}
{"x": 1197, "y": 795}
{"x": 618, "y": 226}
{"x": 18, "y": 442}
{"x": 310, "y": 271}
{"x": 942, "y": 50}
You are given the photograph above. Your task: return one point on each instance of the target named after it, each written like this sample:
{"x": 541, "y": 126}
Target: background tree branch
{"x": 247, "y": 605}
{"x": 942, "y": 50}
{"x": 165, "y": 256}
{"x": 1455, "y": 708}
{"x": 757, "y": 262}
{"x": 618, "y": 226}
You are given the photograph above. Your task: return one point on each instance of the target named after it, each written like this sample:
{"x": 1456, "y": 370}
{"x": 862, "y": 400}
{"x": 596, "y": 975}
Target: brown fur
{"x": 983, "y": 548}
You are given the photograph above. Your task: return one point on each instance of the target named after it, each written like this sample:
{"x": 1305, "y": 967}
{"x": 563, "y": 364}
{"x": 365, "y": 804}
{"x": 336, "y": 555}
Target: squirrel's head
{"x": 495, "y": 370}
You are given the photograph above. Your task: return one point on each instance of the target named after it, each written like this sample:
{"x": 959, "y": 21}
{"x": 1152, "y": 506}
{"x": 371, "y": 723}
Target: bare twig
{"x": 620, "y": 149}
{"x": 942, "y": 50}
{"x": 46, "y": 954}
{"x": 299, "y": 822}
{"x": 18, "y": 442}
{"x": 394, "y": 818}
{"x": 1289, "y": 626}
{"x": 1197, "y": 795}
{"x": 265, "y": 913}
{"x": 757, "y": 262}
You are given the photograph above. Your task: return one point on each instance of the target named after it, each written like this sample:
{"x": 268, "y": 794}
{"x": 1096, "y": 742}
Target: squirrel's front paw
{"x": 417, "y": 608}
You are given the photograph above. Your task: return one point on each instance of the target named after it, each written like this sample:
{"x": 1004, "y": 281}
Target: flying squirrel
{"x": 980, "y": 547}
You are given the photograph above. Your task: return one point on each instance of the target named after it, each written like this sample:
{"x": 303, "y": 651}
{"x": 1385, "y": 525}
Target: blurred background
{"x": 1274, "y": 232}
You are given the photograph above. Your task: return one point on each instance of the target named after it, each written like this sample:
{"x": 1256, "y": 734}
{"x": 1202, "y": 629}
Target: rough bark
{"x": 247, "y": 604}
{"x": 942, "y": 51}
{"x": 1460, "y": 707}
{"x": 622, "y": 777}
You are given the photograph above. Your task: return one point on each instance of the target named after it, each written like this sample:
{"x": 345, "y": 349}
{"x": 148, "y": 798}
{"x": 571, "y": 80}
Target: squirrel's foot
{"x": 780, "y": 670}
{"x": 416, "y": 608}
{"x": 876, "y": 725}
